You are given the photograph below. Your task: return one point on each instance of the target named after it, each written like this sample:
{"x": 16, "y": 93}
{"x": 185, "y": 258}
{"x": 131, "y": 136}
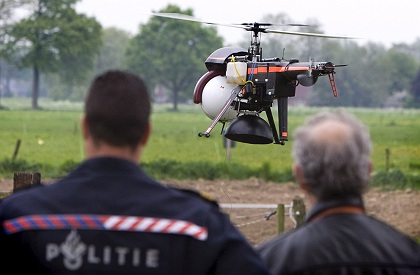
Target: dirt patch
{"x": 400, "y": 208}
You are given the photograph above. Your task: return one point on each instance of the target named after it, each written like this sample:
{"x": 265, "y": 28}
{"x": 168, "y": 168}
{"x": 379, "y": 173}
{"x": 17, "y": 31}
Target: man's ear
{"x": 146, "y": 135}
{"x": 297, "y": 172}
{"x": 85, "y": 127}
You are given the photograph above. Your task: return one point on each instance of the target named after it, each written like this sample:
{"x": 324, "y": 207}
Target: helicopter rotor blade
{"x": 308, "y": 34}
{"x": 185, "y": 17}
{"x": 273, "y": 24}
{"x": 256, "y": 27}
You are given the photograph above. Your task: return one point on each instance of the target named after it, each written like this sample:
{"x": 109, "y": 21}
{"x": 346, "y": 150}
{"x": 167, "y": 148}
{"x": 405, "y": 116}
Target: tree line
{"x": 55, "y": 51}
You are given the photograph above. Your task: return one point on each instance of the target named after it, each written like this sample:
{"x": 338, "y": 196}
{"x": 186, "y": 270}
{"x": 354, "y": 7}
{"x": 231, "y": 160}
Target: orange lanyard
{"x": 339, "y": 210}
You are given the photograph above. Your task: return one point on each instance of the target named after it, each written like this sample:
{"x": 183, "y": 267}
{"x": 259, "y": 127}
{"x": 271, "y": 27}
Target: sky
{"x": 380, "y": 21}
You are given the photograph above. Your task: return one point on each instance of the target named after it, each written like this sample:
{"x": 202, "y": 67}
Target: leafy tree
{"x": 297, "y": 47}
{"x": 7, "y": 8}
{"x": 111, "y": 56}
{"x": 172, "y": 52}
{"x": 274, "y": 44}
{"x": 10, "y": 73}
{"x": 415, "y": 91}
{"x": 54, "y": 38}
{"x": 412, "y": 50}
{"x": 112, "y": 52}
{"x": 7, "y": 19}
{"x": 373, "y": 75}
{"x": 400, "y": 70}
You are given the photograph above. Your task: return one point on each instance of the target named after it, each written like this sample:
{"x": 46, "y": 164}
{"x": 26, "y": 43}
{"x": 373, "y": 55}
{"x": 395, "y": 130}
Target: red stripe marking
{"x": 40, "y": 222}
{"x": 152, "y": 225}
{"x": 199, "y": 233}
{"x": 118, "y": 224}
{"x": 275, "y": 69}
{"x": 136, "y": 223}
{"x": 57, "y": 222}
{"x": 88, "y": 220}
{"x": 24, "y": 223}
{"x": 167, "y": 227}
{"x": 72, "y": 221}
{"x": 185, "y": 228}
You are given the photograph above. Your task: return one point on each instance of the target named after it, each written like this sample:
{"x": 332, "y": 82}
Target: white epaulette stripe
{"x": 128, "y": 222}
{"x": 144, "y": 224}
{"x": 176, "y": 227}
{"x": 148, "y": 224}
{"x": 160, "y": 225}
{"x": 111, "y": 221}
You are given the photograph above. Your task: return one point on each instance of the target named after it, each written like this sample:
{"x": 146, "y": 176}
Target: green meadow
{"x": 51, "y": 138}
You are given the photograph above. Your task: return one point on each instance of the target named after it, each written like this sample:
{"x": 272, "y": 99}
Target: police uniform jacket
{"x": 338, "y": 238}
{"x": 109, "y": 217}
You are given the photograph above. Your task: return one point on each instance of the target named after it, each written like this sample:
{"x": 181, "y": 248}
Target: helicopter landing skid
{"x": 234, "y": 94}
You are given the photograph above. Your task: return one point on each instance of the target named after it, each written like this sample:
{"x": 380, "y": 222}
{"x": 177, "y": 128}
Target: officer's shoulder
{"x": 20, "y": 194}
{"x": 192, "y": 192}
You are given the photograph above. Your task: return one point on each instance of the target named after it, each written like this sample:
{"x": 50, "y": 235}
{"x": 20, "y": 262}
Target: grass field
{"x": 52, "y": 136}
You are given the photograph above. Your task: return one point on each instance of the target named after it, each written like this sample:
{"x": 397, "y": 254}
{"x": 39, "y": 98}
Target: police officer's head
{"x": 117, "y": 110}
{"x": 332, "y": 155}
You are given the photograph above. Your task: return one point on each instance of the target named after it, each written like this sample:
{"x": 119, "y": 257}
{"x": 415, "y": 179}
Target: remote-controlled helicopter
{"x": 240, "y": 85}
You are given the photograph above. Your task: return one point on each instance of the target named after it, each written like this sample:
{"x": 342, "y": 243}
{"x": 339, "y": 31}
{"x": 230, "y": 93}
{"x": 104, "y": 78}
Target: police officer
{"x": 108, "y": 217}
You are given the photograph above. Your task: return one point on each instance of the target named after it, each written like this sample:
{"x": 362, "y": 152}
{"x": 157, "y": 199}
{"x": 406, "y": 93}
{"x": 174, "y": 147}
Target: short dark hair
{"x": 117, "y": 108}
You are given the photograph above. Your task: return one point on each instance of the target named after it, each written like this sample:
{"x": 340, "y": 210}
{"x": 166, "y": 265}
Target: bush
{"x": 172, "y": 169}
{"x": 413, "y": 181}
{"x": 390, "y": 180}
{"x": 67, "y": 166}
{"x": 9, "y": 166}
{"x": 266, "y": 173}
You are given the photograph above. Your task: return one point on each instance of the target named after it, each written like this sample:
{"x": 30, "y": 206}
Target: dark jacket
{"x": 109, "y": 217}
{"x": 338, "y": 238}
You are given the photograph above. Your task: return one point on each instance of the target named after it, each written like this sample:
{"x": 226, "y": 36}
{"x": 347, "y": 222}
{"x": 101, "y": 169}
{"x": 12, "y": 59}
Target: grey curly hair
{"x": 333, "y": 151}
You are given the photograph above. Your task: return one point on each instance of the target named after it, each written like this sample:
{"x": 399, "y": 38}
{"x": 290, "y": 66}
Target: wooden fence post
{"x": 26, "y": 179}
{"x": 299, "y": 211}
{"x": 15, "y": 153}
{"x": 280, "y": 218}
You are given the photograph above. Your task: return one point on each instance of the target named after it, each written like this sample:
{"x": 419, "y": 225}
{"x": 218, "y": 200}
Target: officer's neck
{"x": 105, "y": 150}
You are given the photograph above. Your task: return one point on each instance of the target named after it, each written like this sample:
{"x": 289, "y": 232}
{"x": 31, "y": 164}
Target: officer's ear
{"x": 85, "y": 128}
{"x": 146, "y": 135}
